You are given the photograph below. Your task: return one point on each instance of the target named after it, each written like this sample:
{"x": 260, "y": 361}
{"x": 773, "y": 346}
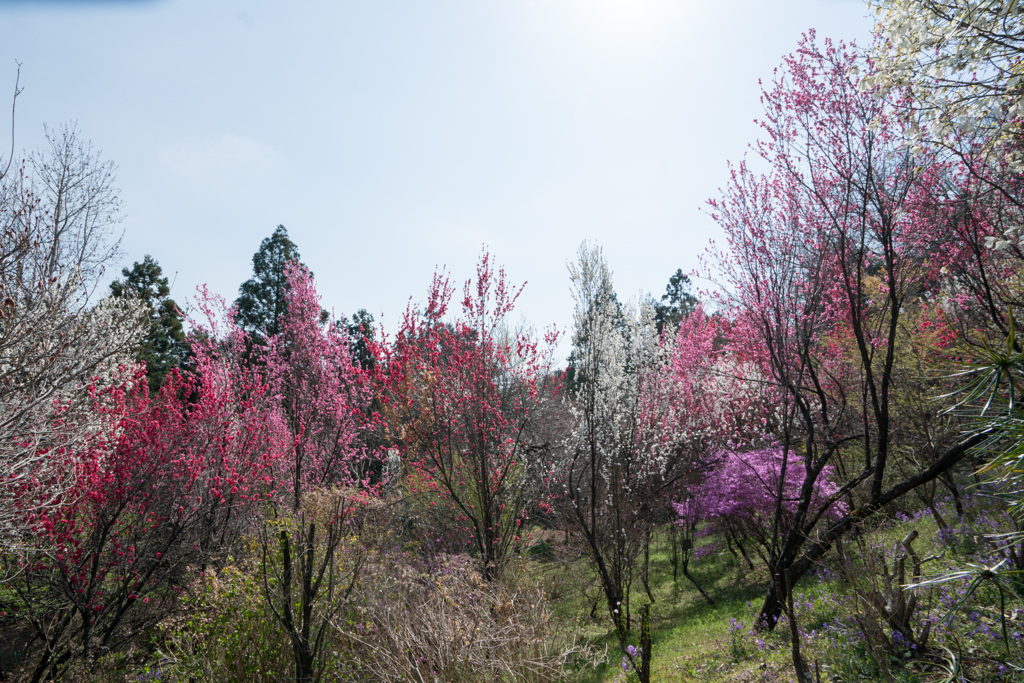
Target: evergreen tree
{"x": 164, "y": 346}
{"x": 260, "y": 305}
{"x": 676, "y": 303}
{"x": 359, "y": 330}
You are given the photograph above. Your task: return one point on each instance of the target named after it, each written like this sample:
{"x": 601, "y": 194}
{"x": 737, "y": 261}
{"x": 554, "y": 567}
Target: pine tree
{"x": 164, "y": 346}
{"x": 676, "y": 302}
{"x": 260, "y": 305}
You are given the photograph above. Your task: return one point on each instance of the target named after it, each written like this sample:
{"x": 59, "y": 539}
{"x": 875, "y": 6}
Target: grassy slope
{"x": 694, "y": 642}
{"x": 691, "y": 638}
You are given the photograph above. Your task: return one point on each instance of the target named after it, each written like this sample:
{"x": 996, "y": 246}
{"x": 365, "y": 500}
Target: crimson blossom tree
{"x": 163, "y": 485}
{"x": 463, "y": 392}
{"x": 825, "y": 253}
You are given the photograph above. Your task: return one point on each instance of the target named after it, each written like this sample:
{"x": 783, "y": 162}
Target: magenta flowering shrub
{"x": 742, "y": 492}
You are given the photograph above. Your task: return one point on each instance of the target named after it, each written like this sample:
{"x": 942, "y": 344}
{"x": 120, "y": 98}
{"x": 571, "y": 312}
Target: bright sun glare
{"x": 627, "y": 29}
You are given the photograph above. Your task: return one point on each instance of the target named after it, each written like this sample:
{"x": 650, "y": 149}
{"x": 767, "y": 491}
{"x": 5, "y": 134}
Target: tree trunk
{"x": 803, "y": 674}
{"x": 645, "y": 643}
{"x": 686, "y": 573}
{"x": 771, "y": 608}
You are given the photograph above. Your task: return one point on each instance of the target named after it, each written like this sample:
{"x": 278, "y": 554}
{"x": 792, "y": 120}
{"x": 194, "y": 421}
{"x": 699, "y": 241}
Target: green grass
{"x": 692, "y": 640}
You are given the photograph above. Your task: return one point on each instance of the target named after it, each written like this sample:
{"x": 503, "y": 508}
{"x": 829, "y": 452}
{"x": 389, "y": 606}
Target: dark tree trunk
{"x": 645, "y": 643}
{"x": 686, "y": 573}
{"x": 771, "y": 608}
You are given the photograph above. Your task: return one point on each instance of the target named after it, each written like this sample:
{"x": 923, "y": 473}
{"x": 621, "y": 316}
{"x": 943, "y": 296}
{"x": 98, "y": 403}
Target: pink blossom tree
{"x": 823, "y": 255}
{"x": 324, "y": 396}
{"x": 705, "y": 399}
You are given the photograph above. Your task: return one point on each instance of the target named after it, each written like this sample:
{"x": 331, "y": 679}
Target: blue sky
{"x": 393, "y": 137}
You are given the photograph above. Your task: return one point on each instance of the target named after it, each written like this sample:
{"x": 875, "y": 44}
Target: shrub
{"x": 451, "y": 625}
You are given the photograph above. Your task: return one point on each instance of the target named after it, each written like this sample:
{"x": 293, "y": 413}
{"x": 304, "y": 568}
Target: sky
{"x": 394, "y": 138}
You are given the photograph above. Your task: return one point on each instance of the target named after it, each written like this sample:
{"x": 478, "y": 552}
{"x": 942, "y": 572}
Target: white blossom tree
{"x": 960, "y": 65}
{"x": 961, "y": 59}
{"x": 616, "y": 474}
{"x": 57, "y": 345}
